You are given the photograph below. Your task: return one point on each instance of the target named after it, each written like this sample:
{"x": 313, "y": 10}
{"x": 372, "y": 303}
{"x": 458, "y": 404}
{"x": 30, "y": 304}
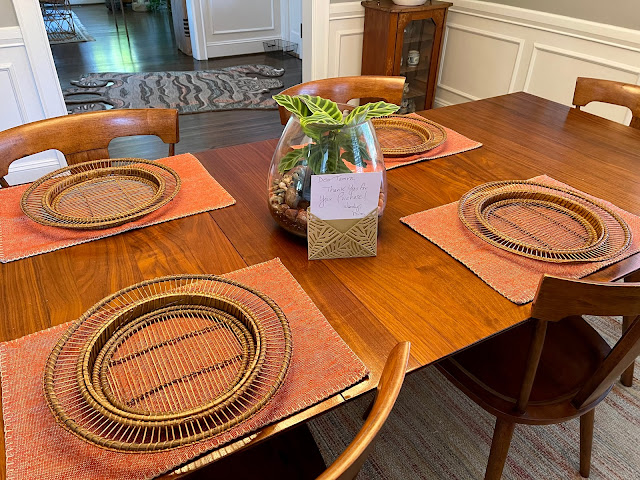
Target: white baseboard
{"x": 438, "y": 102}
{"x": 228, "y": 48}
{"x": 31, "y": 168}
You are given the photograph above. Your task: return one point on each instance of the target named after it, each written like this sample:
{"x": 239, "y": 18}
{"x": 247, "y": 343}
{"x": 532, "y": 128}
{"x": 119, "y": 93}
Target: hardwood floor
{"x": 152, "y": 47}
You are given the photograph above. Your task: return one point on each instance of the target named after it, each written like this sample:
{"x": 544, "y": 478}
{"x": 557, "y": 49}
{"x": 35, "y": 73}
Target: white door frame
{"x": 38, "y": 50}
{"x": 195, "y": 15}
{"x": 315, "y": 28}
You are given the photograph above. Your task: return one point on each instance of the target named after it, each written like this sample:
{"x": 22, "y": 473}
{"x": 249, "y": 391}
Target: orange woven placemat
{"x": 512, "y": 275}
{"x": 454, "y": 144}
{"x": 38, "y": 448}
{"x": 21, "y": 237}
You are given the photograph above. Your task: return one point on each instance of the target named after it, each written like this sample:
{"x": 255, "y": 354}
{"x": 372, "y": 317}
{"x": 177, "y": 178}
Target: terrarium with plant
{"x": 321, "y": 137}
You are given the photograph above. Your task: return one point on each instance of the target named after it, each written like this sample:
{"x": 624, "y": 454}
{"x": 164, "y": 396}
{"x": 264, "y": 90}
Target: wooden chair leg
{"x": 627, "y": 376}
{"x": 586, "y": 441}
{"x": 499, "y": 449}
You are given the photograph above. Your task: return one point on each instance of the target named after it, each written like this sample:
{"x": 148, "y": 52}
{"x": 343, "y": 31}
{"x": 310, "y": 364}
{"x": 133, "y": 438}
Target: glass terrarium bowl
{"x": 315, "y": 150}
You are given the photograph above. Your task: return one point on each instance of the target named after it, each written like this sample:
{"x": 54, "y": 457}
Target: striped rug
{"x": 230, "y": 88}
{"x": 435, "y": 432}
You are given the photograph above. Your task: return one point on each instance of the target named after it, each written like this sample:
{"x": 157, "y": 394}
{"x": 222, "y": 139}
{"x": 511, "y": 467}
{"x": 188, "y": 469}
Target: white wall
{"x": 622, "y": 13}
{"x": 490, "y": 49}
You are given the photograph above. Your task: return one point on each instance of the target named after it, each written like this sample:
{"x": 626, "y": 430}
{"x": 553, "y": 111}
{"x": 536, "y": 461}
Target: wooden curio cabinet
{"x": 405, "y": 41}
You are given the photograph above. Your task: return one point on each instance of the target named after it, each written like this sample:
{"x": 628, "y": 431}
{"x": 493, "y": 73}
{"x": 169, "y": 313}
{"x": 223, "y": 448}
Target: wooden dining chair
{"x": 349, "y": 463}
{"x": 617, "y": 93}
{"x": 294, "y": 454}
{"x": 551, "y": 368}
{"x": 343, "y": 89}
{"x": 85, "y": 136}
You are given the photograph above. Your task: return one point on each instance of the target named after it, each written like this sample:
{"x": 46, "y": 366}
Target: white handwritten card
{"x": 345, "y": 195}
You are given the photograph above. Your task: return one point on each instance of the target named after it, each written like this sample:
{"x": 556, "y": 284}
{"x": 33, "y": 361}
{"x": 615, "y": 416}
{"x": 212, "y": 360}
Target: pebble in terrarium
{"x": 320, "y": 139}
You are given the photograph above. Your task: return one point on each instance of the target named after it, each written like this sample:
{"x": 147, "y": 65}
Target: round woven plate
{"x": 100, "y": 193}
{"x": 543, "y": 222}
{"x": 401, "y": 135}
{"x": 168, "y": 362}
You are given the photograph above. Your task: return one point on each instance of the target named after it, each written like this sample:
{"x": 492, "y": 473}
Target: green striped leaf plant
{"x": 333, "y": 143}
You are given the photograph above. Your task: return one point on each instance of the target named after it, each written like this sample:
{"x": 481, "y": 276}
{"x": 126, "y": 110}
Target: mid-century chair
{"x": 551, "y": 368}
{"x": 85, "y": 136}
{"x": 617, "y": 93}
{"x": 343, "y": 89}
{"x": 349, "y": 463}
{"x": 289, "y": 454}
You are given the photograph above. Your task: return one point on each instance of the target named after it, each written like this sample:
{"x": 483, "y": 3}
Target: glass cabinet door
{"x": 415, "y": 63}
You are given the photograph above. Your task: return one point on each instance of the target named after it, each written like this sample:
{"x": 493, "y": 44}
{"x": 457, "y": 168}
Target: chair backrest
{"x": 559, "y": 298}
{"x": 617, "y": 93}
{"x": 349, "y": 463}
{"x": 343, "y": 89}
{"x": 85, "y": 136}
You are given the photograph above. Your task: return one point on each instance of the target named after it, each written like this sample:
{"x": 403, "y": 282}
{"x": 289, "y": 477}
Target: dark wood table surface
{"x": 412, "y": 290}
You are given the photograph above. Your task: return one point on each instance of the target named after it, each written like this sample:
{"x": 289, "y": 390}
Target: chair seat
{"x": 491, "y": 372}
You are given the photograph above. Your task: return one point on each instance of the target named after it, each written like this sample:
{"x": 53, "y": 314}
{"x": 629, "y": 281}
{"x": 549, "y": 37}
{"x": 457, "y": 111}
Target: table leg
{"x": 627, "y": 376}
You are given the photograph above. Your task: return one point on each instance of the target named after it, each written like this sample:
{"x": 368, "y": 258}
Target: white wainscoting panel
{"x": 491, "y": 49}
{"x": 494, "y": 73}
{"x": 13, "y": 108}
{"x": 564, "y": 64}
{"x": 238, "y": 28}
{"x": 346, "y": 30}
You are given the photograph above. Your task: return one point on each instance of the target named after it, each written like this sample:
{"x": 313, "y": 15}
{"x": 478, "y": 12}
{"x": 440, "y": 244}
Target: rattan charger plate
{"x": 168, "y": 362}
{"x": 400, "y": 135}
{"x": 544, "y": 222}
{"x": 100, "y": 194}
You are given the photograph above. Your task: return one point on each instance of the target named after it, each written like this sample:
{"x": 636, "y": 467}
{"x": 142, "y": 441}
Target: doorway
{"x": 149, "y": 46}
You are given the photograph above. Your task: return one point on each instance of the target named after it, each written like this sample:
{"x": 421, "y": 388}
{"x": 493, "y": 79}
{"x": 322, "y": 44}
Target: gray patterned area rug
{"x": 436, "y": 433}
{"x": 189, "y": 92}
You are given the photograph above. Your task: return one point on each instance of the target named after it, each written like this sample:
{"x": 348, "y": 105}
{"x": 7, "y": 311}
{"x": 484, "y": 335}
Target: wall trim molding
{"x": 11, "y": 34}
{"x": 438, "y": 103}
{"x": 17, "y": 93}
{"x": 489, "y": 34}
{"x": 340, "y": 34}
{"x": 347, "y": 10}
{"x": 539, "y": 47}
{"x": 35, "y": 168}
{"x": 455, "y": 91}
{"x": 240, "y": 41}
{"x": 49, "y": 162}
{"x": 587, "y": 30}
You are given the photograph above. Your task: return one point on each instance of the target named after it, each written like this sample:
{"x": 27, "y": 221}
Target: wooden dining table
{"x": 412, "y": 290}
